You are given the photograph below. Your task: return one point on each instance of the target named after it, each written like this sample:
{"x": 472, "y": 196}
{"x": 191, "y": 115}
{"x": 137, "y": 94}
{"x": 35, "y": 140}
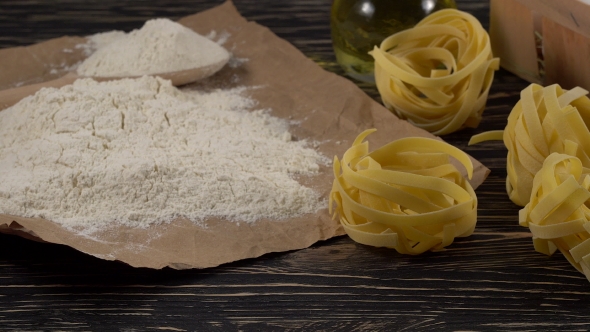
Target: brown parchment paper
{"x": 325, "y": 108}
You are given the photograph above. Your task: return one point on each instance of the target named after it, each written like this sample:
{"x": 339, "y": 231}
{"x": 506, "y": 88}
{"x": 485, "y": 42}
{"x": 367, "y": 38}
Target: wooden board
{"x": 564, "y": 28}
{"x": 567, "y": 56}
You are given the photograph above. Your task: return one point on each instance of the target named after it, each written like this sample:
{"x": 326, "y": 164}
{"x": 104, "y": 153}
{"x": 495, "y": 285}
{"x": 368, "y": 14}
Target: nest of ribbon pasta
{"x": 406, "y": 195}
{"x": 557, "y": 214}
{"x": 544, "y": 120}
{"x": 548, "y": 163}
{"x": 437, "y": 75}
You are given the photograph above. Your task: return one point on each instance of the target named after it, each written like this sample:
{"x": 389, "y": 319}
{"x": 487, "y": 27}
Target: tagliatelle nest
{"x": 437, "y": 75}
{"x": 543, "y": 121}
{"x": 558, "y": 214}
{"x": 405, "y": 195}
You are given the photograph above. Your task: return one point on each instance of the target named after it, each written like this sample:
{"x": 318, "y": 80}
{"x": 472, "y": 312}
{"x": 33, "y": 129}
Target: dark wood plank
{"x": 492, "y": 281}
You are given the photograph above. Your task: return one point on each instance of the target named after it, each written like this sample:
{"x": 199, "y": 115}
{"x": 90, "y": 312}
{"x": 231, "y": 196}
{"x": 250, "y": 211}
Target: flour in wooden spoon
{"x": 139, "y": 151}
{"x": 160, "y": 46}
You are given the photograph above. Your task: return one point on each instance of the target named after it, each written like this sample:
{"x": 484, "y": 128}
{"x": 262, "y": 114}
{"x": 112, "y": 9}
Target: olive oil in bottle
{"x": 358, "y": 25}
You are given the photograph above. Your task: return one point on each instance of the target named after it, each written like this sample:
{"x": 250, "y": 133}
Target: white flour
{"x": 100, "y": 40}
{"x": 161, "y": 45}
{"x": 139, "y": 151}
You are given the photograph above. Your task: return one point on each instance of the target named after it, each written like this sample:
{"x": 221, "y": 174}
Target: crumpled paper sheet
{"x": 329, "y": 110}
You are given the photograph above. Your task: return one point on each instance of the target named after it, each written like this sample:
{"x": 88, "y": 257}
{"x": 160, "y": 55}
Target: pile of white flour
{"x": 160, "y": 46}
{"x": 139, "y": 151}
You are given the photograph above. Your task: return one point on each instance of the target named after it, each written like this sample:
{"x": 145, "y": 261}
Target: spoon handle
{"x": 12, "y": 96}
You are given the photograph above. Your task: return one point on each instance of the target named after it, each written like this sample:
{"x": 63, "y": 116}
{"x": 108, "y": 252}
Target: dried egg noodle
{"x": 557, "y": 214}
{"x": 405, "y": 195}
{"x": 543, "y": 121}
{"x": 437, "y": 75}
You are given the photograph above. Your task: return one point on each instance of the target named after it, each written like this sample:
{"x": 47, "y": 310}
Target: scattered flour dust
{"x": 161, "y": 45}
{"x": 140, "y": 151}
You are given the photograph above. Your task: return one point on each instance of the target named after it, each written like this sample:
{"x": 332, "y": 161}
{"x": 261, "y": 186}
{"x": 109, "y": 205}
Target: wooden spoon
{"x": 12, "y": 96}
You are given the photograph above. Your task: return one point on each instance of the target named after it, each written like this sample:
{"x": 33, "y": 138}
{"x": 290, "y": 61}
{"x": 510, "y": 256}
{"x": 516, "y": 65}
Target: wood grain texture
{"x": 490, "y": 281}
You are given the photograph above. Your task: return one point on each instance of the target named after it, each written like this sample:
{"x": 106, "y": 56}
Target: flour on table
{"x": 139, "y": 151}
{"x": 160, "y": 46}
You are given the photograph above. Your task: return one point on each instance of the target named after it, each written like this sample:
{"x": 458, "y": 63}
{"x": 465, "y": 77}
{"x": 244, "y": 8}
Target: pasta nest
{"x": 405, "y": 195}
{"x": 557, "y": 214}
{"x": 544, "y": 120}
{"x": 437, "y": 75}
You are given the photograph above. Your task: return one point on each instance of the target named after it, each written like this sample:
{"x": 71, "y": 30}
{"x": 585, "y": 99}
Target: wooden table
{"x": 490, "y": 281}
